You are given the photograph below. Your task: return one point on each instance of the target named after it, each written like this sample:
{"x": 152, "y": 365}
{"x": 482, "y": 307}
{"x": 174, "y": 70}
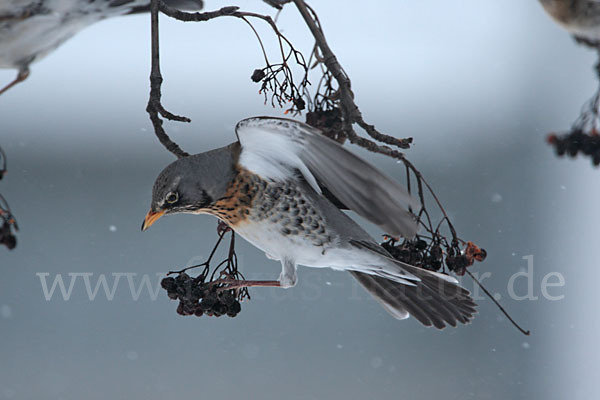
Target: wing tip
{"x": 264, "y": 120}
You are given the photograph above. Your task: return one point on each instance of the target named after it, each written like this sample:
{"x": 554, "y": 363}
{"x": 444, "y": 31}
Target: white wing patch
{"x": 272, "y": 153}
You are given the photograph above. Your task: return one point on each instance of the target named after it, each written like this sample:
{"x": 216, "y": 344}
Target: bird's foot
{"x": 222, "y": 228}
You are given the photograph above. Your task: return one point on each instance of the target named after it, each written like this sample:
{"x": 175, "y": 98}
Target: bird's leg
{"x": 240, "y": 283}
{"x": 21, "y": 76}
{"x": 287, "y": 279}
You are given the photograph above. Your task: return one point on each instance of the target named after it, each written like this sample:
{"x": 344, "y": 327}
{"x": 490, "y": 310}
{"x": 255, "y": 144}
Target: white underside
{"x": 267, "y": 237}
{"x": 297, "y": 250}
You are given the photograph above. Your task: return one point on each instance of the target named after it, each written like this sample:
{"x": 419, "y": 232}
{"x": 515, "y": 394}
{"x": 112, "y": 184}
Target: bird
{"x": 581, "y": 18}
{"x": 32, "y": 29}
{"x": 281, "y": 186}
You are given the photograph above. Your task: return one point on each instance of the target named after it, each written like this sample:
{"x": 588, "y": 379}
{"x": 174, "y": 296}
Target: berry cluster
{"x": 575, "y": 142}
{"x": 415, "y": 252}
{"x": 277, "y": 79}
{"x": 215, "y": 296}
{"x": 431, "y": 256}
{"x": 197, "y": 297}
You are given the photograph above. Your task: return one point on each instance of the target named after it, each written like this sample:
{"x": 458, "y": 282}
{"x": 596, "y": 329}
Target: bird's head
{"x": 192, "y": 184}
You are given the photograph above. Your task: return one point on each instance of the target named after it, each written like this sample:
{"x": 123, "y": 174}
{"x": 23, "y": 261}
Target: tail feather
{"x": 385, "y": 293}
{"x": 432, "y": 301}
{"x": 432, "y": 298}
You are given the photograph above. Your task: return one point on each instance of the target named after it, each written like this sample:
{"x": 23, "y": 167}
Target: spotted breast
{"x": 274, "y": 216}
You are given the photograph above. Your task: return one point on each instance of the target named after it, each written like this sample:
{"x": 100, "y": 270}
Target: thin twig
{"x": 523, "y": 331}
{"x": 205, "y": 263}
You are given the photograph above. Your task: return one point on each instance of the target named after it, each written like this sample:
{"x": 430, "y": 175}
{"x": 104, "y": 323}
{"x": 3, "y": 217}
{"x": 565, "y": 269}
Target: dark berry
{"x": 257, "y": 75}
{"x": 420, "y": 244}
{"x": 235, "y": 308}
{"x": 300, "y": 104}
{"x": 168, "y": 284}
{"x": 172, "y": 295}
{"x": 10, "y": 241}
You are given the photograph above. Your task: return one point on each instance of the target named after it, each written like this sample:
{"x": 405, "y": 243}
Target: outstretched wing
{"x": 276, "y": 148}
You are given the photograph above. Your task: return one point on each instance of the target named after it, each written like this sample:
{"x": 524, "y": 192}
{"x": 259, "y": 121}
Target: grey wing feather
{"x": 360, "y": 186}
{"x": 274, "y": 147}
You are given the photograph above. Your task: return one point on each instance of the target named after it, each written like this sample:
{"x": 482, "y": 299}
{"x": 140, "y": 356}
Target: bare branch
{"x": 154, "y": 107}
{"x": 195, "y": 16}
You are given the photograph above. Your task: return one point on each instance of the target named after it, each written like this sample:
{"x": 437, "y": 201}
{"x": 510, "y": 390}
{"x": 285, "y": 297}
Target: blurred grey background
{"x": 477, "y": 83}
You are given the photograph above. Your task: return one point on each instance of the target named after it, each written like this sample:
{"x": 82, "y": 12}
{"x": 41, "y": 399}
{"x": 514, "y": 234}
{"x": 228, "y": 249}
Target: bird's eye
{"x": 172, "y": 197}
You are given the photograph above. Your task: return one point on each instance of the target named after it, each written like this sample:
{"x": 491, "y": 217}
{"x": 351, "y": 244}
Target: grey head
{"x": 192, "y": 184}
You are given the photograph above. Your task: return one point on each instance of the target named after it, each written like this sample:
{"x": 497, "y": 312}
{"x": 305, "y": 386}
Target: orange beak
{"x": 151, "y": 218}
